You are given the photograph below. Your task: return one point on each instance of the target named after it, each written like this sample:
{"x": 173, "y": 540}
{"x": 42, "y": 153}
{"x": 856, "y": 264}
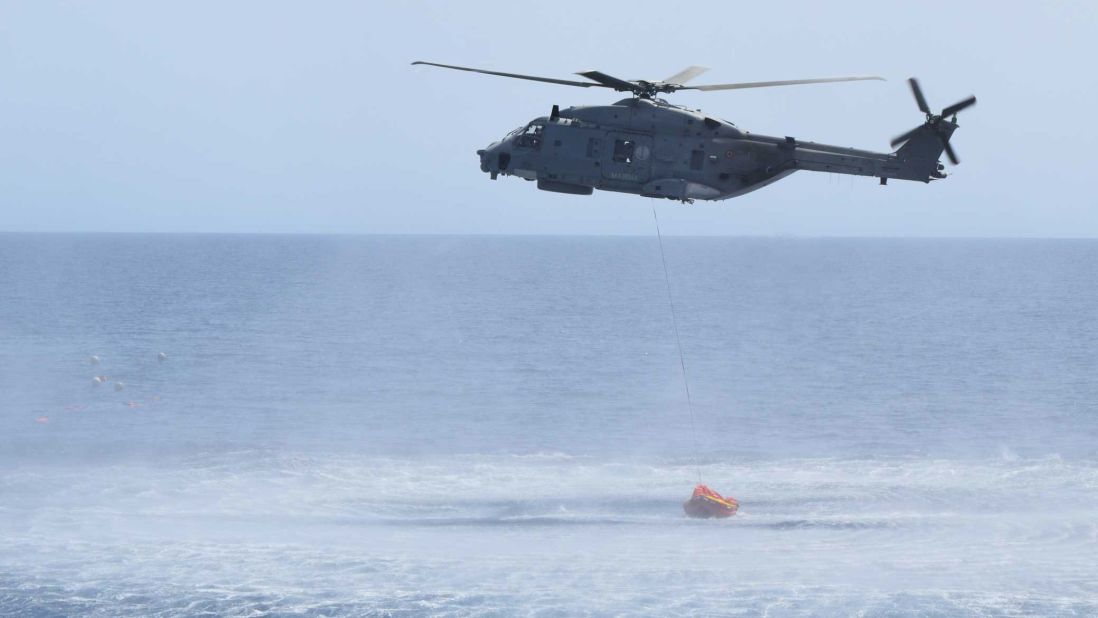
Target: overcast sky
{"x": 306, "y": 117}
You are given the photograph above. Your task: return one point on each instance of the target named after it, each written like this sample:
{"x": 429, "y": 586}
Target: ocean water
{"x": 492, "y": 426}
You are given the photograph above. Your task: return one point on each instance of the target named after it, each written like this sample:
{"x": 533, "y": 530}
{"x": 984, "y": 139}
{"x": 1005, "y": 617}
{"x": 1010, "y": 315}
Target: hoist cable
{"x": 678, "y": 342}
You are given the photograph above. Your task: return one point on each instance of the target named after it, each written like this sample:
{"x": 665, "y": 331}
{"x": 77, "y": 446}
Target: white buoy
{"x": 93, "y": 359}
{"x": 119, "y": 386}
{"x": 161, "y": 357}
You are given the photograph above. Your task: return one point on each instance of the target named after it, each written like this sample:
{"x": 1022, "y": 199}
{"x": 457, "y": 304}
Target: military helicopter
{"x": 647, "y": 146}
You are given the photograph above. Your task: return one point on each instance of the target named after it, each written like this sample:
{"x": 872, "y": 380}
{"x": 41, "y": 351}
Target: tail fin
{"x": 920, "y": 153}
{"x": 924, "y": 144}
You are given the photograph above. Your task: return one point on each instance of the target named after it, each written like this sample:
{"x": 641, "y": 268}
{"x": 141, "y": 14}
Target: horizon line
{"x": 532, "y": 235}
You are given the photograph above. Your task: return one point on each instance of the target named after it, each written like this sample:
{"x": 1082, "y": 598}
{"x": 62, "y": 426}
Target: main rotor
{"x": 646, "y": 89}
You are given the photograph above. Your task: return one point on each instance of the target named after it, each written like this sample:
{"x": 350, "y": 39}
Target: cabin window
{"x": 623, "y": 150}
{"x": 697, "y": 157}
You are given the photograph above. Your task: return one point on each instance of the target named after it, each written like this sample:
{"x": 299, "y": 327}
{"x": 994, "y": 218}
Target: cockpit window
{"x": 531, "y": 135}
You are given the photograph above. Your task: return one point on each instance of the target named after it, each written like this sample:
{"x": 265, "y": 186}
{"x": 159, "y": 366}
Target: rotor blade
{"x": 958, "y": 106}
{"x": 685, "y": 75}
{"x": 949, "y": 153}
{"x": 899, "y": 139}
{"x": 920, "y": 100}
{"x": 609, "y": 81}
{"x": 548, "y": 80}
{"x": 790, "y": 82}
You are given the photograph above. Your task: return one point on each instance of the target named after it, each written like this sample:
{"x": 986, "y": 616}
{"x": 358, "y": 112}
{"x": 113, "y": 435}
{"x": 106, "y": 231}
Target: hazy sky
{"x": 306, "y": 117}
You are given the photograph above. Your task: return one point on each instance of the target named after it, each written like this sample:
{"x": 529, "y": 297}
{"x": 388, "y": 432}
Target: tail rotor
{"x": 936, "y": 122}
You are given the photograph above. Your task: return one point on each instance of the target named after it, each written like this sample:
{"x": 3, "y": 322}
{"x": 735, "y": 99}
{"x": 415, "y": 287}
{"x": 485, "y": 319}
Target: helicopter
{"x": 647, "y": 146}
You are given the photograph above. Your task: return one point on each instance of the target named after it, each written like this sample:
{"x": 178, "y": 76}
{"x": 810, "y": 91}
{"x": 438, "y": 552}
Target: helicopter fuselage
{"x": 652, "y": 148}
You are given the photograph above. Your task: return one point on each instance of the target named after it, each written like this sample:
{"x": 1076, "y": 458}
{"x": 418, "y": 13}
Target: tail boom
{"x": 916, "y": 160}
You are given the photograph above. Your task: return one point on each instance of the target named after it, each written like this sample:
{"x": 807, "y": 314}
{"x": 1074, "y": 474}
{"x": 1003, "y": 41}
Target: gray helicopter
{"x": 649, "y": 147}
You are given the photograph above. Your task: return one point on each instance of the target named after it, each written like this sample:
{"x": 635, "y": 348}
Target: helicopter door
{"x": 628, "y": 157}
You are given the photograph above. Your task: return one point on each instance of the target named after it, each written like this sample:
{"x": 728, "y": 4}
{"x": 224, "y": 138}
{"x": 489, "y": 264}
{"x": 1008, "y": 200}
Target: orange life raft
{"x": 706, "y": 503}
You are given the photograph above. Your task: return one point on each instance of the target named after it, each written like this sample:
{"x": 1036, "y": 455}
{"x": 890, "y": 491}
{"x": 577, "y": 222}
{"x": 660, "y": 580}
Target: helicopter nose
{"x": 493, "y": 160}
{"x": 484, "y": 159}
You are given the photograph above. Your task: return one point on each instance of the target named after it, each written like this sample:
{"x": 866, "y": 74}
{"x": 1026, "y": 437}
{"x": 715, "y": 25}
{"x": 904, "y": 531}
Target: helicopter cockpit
{"x": 530, "y": 135}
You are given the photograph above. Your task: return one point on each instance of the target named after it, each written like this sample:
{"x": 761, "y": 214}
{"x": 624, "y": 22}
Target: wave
{"x": 255, "y": 532}
{"x": 555, "y": 489}
{"x": 249, "y": 482}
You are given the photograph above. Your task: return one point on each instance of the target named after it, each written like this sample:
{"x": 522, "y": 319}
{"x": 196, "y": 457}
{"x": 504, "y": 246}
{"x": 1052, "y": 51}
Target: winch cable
{"x": 678, "y": 342}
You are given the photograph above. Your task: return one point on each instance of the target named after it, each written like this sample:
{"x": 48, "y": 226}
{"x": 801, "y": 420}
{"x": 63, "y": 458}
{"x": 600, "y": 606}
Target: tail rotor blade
{"x": 949, "y": 152}
{"x": 958, "y": 106}
{"x": 896, "y": 141}
{"x": 920, "y": 100}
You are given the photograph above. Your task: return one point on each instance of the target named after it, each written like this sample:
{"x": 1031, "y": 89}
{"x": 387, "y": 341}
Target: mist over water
{"x": 497, "y": 426}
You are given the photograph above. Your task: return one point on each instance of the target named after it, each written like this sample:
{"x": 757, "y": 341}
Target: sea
{"x": 266, "y": 425}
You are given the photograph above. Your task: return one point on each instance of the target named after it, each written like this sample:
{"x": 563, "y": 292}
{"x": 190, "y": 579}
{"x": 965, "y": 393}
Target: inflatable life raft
{"x": 706, "y": 503}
